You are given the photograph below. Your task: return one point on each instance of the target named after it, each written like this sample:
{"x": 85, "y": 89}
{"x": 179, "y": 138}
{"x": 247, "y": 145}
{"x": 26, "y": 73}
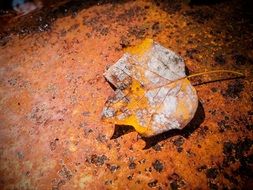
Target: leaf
{"x": 153, "y": 94}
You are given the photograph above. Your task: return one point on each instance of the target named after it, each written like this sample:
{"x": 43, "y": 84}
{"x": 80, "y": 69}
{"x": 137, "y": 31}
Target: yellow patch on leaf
{"x": 141, "y": 48}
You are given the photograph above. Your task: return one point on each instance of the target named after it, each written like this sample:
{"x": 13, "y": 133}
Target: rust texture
{"x": 52, "y": 92}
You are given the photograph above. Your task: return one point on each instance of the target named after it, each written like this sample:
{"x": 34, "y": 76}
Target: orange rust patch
{"x": 55, "y": 138}
{"x": 20, "y": 103}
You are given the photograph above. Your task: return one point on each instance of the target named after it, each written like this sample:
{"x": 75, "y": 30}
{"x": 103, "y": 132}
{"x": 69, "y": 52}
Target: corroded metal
{"x": 52, "y": 92}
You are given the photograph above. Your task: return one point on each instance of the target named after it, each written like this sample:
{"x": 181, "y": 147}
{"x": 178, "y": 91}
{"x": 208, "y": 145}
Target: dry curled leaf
{"x": 152, "y": 93}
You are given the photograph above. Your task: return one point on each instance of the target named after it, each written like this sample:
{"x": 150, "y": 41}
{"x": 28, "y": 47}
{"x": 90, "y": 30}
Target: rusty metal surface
{"x": 52, "y": 93}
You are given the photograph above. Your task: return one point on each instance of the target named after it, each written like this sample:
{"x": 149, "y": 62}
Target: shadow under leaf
{"x": 122, "y": 130}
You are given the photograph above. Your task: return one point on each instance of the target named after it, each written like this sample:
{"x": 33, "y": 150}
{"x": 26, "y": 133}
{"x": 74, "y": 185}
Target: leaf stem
{"x": 214, "y": 71}
{"x": 200, "y": 74}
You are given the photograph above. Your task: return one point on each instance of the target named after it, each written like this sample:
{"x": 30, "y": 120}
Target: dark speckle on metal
{"x": 52, "y": 92}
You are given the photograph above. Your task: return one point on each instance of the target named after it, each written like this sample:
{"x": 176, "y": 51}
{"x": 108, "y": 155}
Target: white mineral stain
{"x": 152, "y": 77}
{"x": 162, "y": 123}
{"x": 156, "y": 96}
{"x": 173, "y": 124}
{"x": 150, "y": 96}
{"x": 172, "y": 63}
{"x": 175, "y": 90}
{"x": 163, "y": 92}
{"x": 192, "y": 93}
{"x": 160, "y": 119}
{"x": 140, "y": 114}
{"x": 108, "y": 112}
{"x": 121, "y": 116}
{"x": 169, "y": 105}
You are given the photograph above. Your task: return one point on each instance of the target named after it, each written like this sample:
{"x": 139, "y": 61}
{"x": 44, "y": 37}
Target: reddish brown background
{"x": 52, "y": 92}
